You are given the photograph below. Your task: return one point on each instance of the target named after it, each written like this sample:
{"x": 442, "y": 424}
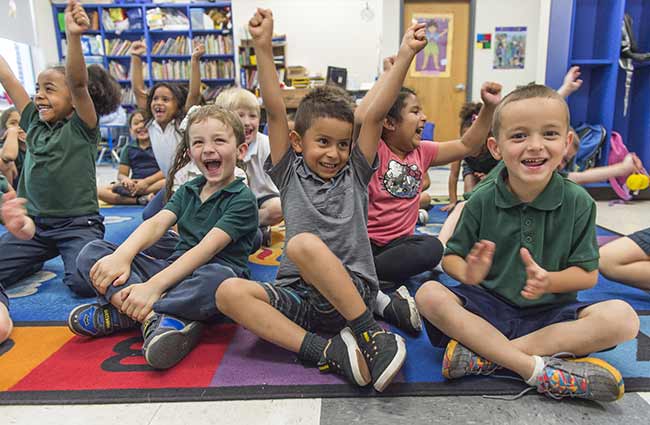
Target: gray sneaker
{"x": 402, "y": 312}
{"x": 460, "y": 361}
{"x": 385, "y": 353}
{"x": 168, "y": 339}
{"x": 343, "y": 356}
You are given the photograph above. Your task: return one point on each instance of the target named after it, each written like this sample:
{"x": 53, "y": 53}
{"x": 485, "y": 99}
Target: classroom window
{"x": 19, "y": 57}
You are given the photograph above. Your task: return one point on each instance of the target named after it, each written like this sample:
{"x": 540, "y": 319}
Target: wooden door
{"x": 441, "y": 82}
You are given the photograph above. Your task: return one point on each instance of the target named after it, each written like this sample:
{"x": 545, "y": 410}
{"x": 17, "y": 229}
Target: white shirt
{"x": 259, "y": 182}
{"x": 164, "y": 143}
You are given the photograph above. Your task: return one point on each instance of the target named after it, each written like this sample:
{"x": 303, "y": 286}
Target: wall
{"x": 18, "y": 28}
{"x": 534, "y": 15}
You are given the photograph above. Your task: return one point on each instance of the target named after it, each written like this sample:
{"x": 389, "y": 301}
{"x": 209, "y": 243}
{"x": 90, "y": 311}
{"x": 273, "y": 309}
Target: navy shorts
{"x": 642, "y": 238}
{"x": 304, "y": 305}
{"x": 511, "y": 321}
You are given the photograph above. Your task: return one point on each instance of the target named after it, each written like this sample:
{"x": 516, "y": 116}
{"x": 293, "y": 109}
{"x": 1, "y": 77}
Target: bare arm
{"x": 261, "y": 29}
{"x": 362, "y": 108}
{"x": 452, "y": 183}
{"x": 194, "y": 94}
{"x": 629, "y": 165}
{"x": 13, "y": 87}
{"x": 572, "y": 82}
{"x": 138, "y": 49}
{"x": 76, "y": 22}
{"x": 9, "y": 151}
{"x": 571, "y": 279}
{"x": 414, "y": 40}
{"x": 123, "y": 172}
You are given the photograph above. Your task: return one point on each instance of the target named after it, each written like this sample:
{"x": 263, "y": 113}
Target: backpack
{"x": 617, "y": 153}
{"x": 592, "y": 138}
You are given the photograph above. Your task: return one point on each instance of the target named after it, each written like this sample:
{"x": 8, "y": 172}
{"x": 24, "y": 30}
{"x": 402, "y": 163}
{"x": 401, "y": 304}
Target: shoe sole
{"x": 395, "y": 365}
{"x": 414, "y": 314}
{"x": 609, "y": 368}
{"x": 360, "y": 371}
{"x": 166, "y": 350}
{"x": 446, "y": 359}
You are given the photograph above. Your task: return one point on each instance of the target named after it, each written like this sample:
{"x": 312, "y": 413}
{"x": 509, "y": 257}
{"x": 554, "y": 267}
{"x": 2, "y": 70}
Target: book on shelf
{"x": 168, "y": 19}
{"x": 216, "y": 44}
{"x": 171, "y": 46}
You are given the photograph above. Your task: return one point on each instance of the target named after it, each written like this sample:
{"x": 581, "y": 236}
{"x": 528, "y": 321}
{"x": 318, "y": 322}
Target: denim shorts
{"x": 510, "y": 320}
{"x": 304, "y": 305}
{"x": 642, "y": 238}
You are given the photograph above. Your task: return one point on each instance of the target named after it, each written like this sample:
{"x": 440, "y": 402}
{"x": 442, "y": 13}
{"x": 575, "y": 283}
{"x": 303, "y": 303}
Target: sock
{"x": 312, "y": 348}
{"x": 381, "y": 302}
{"x": 363, "y": 323}
{"x": 539, "y": 367}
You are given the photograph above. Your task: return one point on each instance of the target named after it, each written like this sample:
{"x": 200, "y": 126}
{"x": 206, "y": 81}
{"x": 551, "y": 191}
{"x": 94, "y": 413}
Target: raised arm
{"x": 261, "y": 28}
{"x": 138, "y": 48}
{"x": 476, "y": 135}
{"x": 414, "y": 40}
{"x": 194, "y": 94}
{"x": 14, "y": 89}
{"x": 571, "y": 83}
{"x": 76, "y": 22}
{"x": 362, "y": 108}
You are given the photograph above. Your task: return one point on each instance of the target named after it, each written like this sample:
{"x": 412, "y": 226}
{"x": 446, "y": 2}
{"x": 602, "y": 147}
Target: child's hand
{"x": 414, "y": 38}
{"x": 450, "y": 206}
{"x": 140, "y": 187}
{"x": 14, "y": 216}
{"x": 138, "y": 300}
{"x": 537, "y": 280}
{"x": 491, "y": 93}
{"x": 128, "y": 184}
{"x": 388, "y": 63}
{"x": 261, "y": 26}
{"x": 480, "y": 176}
{"x": 76, "y": 19}
{"x": 572, "y": 81}
{"x": 631, "y": 164}
{"x": 110, "y": 270}
{"x": 479, "y": 261}
{"x": 199, "y": 50}
{"x": 138, "y": 48}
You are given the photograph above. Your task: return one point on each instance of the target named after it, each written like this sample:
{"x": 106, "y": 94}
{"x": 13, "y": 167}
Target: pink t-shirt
{"x": 394, "y": 192}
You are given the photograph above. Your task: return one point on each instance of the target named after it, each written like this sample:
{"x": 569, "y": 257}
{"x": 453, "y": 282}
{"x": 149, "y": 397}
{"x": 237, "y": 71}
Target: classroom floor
{"x": 634, "y": 408}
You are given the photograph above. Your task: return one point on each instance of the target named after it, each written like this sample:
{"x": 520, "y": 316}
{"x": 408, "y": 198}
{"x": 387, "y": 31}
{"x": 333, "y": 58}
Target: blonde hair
{"x": 237, "y": 98}
{"x": 182, "y": 157}
{"x": 530, "y": 91}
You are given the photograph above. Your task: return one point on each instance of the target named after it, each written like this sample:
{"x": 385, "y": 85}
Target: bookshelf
{"x": 168, "y": 37}
{"x": 248, "y": 61}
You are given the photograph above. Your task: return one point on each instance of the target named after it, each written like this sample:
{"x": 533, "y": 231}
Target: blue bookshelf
{"x": 224, "y": 60}
{"x": 588, "y": 33}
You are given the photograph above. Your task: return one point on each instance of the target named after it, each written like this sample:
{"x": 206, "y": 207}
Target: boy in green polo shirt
{"x": 524, "y": 246}
{"x": 216, "y": 215}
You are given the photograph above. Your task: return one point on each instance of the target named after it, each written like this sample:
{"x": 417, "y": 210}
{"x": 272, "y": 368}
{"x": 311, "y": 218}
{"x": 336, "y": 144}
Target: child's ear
{"x": 493, "y": 147}
{"x": 389, "y": 124}
{"x": 569, "y": 140}
{"x": 296, "y": 141}
{"x": 241, "y": 151}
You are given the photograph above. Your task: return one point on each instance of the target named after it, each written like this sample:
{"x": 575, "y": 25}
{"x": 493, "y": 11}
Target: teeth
{"x": 533, "y": 161}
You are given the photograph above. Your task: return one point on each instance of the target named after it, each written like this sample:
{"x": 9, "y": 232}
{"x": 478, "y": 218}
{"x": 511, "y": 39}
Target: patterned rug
{"x": 44, "y": 363}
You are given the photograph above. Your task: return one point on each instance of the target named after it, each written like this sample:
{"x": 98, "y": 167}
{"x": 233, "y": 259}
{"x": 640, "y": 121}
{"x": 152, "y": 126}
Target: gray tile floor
{"x": 634, "y": 408}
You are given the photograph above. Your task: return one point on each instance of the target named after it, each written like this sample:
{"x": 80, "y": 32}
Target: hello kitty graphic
{"x": 402, "y": 180}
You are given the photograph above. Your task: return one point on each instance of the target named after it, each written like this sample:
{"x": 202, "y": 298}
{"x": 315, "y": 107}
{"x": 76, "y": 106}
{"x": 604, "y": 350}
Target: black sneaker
{"x": 96, "y": 320}
{"x": 402, "y": 312}
{"x": 385, "y": 353}
{"x": 343, "y": 356}
{"x": 168, "y": 339}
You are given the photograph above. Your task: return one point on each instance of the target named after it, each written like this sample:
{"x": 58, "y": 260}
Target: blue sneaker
{"x": 96, "y": 320}
{"x": 168, "y": 339}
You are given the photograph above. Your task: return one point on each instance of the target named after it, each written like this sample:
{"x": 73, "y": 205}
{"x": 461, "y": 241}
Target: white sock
{"x": 381, "y": 302}
{"x": 539, "y": 367}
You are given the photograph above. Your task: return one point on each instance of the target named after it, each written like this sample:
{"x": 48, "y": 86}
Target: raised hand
{"x": 572, "y": 81}
{"x": 491, "y": 93}
{"x": 261, "y": 27}
{"x": 199, "y": 50}
{"x": 138, "y": 48}
{"x": 537, "y": 279}
{"x": 479, "y": 261}
{"x": 414, "y": 38}
{"x": 76, "y": 19}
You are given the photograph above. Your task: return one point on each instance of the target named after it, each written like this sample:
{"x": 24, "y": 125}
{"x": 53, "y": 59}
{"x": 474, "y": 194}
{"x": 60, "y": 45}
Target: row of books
{"x": 171, "y": 46}
{"x": 216, "y": 44}
{"x": 117, "y": 46}
{"x": 248, "y": 77}
{"x": 90, "y": 45}
{"x": 128, "y": 98}
{"x": 180, "y": 70}
{"x": 167, "y": 19}
{"x": 121, "y": 72}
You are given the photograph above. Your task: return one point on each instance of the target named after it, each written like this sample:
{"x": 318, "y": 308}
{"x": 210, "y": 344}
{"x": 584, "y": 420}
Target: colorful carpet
{"x": 44, "y": 363}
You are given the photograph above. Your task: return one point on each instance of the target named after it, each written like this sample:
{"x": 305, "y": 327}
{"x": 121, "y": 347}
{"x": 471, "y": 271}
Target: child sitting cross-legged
{"x": 216, "y": 215}
{"x": 327, "y": 280}
{"x": 525, "y": 244}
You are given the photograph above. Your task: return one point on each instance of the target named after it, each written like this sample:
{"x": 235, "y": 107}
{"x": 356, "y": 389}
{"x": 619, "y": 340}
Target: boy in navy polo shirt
{"x": 524, "y": 246}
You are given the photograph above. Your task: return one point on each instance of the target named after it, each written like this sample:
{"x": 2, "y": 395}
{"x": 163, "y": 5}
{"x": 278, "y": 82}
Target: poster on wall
{"x": 509, "y": 48}
{"x": 434, "y": 61}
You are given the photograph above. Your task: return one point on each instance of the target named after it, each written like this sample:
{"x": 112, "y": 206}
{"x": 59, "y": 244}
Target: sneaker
{"x": 168, "y": 339}
{"x": 459, "y": 361}
{"x": 588, "y": 377}
{"x": 423, "y": 216}
{"x": 142, "y": 200}
{"x": 96, "y": 320}
{"x": 343, "y": 356}
{"x": 402, "y": 312}
{"x": 385, "y": 353}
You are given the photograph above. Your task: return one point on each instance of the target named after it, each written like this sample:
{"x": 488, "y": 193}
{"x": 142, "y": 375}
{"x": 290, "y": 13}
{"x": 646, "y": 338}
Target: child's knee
{"x": 303, "y": 244}
{"x": 626, "y": 319}
{"x": 429, "y": 296}
{"x": 6, "y": 325}
{"x": 229, "y": 291}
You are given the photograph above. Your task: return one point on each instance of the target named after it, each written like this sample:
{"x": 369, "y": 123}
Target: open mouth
{"x": 534, "y": 163}
{"x": 43, "y": 108}
{"x": 328, "y": 166}
{"x": 159, "y": 111}
{"x": 248, "y": 132}
{"x": 212, "y": 165}
{"x": 142, "y": 132}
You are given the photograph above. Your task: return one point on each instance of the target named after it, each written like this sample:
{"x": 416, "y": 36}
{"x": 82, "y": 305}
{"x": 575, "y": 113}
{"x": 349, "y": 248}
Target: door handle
{"x": 459, "y": 87}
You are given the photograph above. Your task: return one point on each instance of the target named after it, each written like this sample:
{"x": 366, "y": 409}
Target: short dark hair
{"x": 104, "y": 90}
{"x": 5, "y": 117}
{"x": 530, "y": 91}
{"x": 395, "y": 112}
{"x": 324, "y": 102}
{"x": 136, "y": 112}
{"x": 468, "y": 113}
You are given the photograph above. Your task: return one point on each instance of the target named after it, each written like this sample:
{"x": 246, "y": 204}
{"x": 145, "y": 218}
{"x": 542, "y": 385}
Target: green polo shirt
{"x": 232, "y": 209}
{"x": 58, "y": 177}
{"x": 4, "y": 185}
{"x": 558, "y": 228}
